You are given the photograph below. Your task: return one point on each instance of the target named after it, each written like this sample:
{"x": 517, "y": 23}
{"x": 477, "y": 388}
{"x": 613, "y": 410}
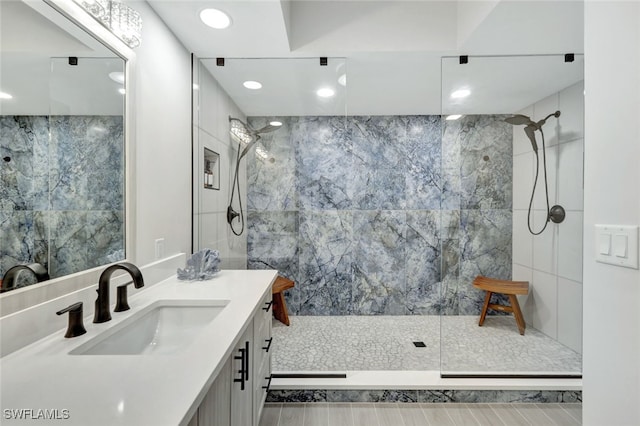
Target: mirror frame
{"x": 25, "y": 297}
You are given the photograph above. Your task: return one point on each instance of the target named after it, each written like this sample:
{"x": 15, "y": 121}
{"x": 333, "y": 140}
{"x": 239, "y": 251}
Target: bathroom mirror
{"x": 64, "y": 130}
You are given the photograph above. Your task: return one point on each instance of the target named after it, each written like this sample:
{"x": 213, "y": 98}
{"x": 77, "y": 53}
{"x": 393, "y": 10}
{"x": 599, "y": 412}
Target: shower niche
{"x": 211, "y": 169}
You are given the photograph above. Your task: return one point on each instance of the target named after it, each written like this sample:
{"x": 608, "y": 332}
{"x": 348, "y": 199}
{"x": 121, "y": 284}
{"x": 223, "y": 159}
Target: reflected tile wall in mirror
{"x": 62, "y": 193}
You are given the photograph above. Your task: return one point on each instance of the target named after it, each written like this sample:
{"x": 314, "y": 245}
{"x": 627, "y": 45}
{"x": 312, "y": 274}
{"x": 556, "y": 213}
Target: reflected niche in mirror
{"x": 61, "y": 150}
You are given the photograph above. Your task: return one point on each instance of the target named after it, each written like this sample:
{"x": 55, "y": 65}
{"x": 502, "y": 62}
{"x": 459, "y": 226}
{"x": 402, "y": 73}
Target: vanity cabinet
{"x": 237, "y": 395}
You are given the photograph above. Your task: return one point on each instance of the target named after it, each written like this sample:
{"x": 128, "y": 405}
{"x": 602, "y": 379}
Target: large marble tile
{"x": 16, "y": 238}
{"x": 104, "y": 142}
{"x": 67, "y": 244}
{"x": 105, "y": 237}
{"x": 24, "y": 175}
{"x": 379, "y": 285}
{"x": 486, "y": 162}
{"x": 450, "y": 152}
{"x": 68, "y": 181}
{"x": 324, "y": 163}
{"x": 379, "y": 159}
{"x": 423, "y": 262}
{"x": 272, "y": 234}
{"x": 423, "y": 162}
{"x": 325, "y": 280}
{"x": 87, "y": 161}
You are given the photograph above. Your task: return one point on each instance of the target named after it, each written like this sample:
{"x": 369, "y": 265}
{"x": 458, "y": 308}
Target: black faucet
{"x": 9, "y": 278}
{"x": 102, "y": 312}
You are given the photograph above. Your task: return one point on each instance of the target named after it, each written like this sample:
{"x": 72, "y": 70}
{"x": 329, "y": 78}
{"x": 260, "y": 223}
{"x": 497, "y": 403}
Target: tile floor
{"x": 333, "y": 343}
{"x": 390, "y": 414}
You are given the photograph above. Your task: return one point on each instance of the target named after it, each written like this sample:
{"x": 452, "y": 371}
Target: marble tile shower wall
{"x": 61, "y": 198}
{"x": 382, "y": 215}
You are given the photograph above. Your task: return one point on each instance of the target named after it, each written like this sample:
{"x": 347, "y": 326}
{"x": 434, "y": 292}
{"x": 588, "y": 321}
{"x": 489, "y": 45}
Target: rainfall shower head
{"x": 244, "y": 134}
{"x": 531, "y": 126}
{"x": 518, "y": 119}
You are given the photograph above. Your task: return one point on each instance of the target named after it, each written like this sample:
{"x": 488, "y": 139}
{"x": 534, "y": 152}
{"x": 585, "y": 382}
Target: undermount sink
{"x": 164, "y": 327}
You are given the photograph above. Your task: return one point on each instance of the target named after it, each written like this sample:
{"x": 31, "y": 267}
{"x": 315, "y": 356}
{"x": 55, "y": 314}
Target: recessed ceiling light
{"x": 121, "y": 91}
{"x": 117, "y": 76}
{"x": 215, "y": 18}
{"x": 462, "y": 93}
{"x": 342, "y": 80}
{"x": 276, "y": 123}
{"x": 4, "y": 95}
{"x": 453, "y": 116}
{"x": 253, "y": 85}
{"x": 325, "y": 92}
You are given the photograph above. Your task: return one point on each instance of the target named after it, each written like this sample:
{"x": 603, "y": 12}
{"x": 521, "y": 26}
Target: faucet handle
{"x": 76, "y": 326}
{"x": 121, "y": 299}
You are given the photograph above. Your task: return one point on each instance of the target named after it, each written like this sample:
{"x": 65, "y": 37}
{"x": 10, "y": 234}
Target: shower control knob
{"x": 557, "y": 214}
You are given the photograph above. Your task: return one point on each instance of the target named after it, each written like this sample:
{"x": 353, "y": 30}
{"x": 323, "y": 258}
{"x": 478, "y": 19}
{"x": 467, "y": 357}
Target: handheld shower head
{"x": 530, "y": 130}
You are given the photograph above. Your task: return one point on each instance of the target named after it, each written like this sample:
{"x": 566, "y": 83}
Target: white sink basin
{"x": 164, "y": 327}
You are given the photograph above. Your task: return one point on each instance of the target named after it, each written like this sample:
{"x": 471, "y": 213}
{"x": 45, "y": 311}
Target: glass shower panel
{"x": 512, "y": 124}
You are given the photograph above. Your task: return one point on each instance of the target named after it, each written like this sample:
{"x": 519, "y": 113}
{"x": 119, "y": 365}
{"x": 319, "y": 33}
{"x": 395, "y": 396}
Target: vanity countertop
{"x": 43, "y": 380}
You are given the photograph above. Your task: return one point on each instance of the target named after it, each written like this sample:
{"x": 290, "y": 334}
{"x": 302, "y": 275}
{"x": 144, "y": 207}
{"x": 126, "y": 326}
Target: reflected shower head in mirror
{"x": 245, "y": 135}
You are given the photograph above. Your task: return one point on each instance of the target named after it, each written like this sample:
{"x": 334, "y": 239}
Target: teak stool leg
{"x": 517, "y": 313}
{"x": 483, "y": 315}
{"x": 280, "y": 308}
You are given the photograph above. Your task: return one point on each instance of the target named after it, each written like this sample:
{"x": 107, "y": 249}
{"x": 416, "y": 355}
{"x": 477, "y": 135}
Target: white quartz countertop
{"x": 42, "y": 379}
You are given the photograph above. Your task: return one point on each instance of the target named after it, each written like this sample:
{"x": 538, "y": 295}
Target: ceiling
{"x": 391, "y": 50}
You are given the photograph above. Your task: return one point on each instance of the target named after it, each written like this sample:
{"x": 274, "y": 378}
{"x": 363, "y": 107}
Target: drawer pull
{"x": 266, "y": 308}
{"x": 268, "y": 383}
{"x": 244, "y": 363}
{"x": 269, "y": 341}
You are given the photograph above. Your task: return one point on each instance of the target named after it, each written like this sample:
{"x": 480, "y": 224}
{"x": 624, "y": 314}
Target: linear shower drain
{"x": 419, "y": 344}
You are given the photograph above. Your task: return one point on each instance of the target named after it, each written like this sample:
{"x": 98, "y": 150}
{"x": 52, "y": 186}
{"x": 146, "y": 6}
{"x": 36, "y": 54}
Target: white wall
{"x": 551, "y": 261}
{"x": 162, "y": 140}
{"x": 611, "y": 368}
{"x": 212, "y": 108}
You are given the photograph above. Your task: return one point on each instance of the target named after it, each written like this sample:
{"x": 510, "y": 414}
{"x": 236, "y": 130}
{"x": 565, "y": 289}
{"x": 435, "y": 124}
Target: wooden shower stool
{"x": 279, "y": 306}
{"x": 508, "y": 288}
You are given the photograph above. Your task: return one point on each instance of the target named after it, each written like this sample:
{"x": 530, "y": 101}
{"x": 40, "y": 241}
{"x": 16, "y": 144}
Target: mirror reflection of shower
{"x": 247, "y": 137}
{"x": 556, "y": 213}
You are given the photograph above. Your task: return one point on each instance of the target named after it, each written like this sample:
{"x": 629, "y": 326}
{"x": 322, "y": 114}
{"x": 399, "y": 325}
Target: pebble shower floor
{"x": 348, "y": 343}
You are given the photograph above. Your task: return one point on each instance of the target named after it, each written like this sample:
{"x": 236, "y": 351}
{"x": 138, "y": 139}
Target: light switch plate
{"x": 622, "y": 242}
